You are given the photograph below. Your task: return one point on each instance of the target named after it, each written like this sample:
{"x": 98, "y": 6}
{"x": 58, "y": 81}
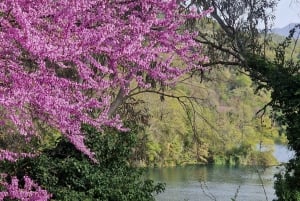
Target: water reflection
{"x": 221, "y": 174}
{"x": 198, "y": 182}
{"x": 221, "y": 183}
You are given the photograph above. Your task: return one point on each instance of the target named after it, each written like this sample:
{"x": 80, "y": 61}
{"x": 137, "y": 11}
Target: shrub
{"x": 70, "y": 175}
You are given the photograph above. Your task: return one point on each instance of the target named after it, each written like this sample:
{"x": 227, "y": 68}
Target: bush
{"x": 287, "y": 184}
{"x": 69, "y": 175}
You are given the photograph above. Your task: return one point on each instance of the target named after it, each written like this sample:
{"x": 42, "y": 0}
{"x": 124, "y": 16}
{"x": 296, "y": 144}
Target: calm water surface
{"x": 221, "y": 183}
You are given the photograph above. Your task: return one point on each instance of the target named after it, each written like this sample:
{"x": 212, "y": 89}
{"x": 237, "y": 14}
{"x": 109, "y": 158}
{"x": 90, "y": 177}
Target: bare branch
{"x": 165, "y": 94}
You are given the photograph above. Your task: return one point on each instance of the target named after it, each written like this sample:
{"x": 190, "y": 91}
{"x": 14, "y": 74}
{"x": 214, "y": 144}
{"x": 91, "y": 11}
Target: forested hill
{"x": 217, "y": 124}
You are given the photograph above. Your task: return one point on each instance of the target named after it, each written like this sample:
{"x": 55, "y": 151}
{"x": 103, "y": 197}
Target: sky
{"x": 287, "y": 12}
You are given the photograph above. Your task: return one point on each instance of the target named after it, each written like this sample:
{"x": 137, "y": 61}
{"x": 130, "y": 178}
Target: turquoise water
{"x": 221, "y": 183}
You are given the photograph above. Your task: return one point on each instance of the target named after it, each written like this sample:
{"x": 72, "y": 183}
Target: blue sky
{"x": 287, "y": 11}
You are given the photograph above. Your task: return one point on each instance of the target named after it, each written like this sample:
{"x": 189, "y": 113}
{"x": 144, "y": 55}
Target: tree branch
{"x": 117, "y": 102}
{"x": 164, "y": 94}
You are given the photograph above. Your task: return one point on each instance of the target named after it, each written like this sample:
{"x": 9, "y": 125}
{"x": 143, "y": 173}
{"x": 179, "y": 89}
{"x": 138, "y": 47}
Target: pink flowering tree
{"x": 68, "y": 62}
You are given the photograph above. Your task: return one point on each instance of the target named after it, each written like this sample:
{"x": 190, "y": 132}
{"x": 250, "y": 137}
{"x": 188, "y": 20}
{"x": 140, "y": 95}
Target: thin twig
{"x": 165, "y": 94}
{"x": 206, "y": 191}
{"x": 296, "y": 41}
{"x": 262, "y": 183}
{"x": 236, "y": 193}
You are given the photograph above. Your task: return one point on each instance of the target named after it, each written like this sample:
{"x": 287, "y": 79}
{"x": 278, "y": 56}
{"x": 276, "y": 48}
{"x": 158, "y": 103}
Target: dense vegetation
{"x": 69, "y": 175}
{"x": 214, "y": 121}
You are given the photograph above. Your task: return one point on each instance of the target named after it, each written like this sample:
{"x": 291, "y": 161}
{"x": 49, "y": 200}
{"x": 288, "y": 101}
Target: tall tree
{"x": 232, "y": 30}
{"x": 282, "y": 76}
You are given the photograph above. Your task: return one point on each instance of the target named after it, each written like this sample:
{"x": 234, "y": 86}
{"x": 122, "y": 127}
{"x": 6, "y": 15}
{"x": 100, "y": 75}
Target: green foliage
{"x": 287, "y": 182}
{"x": 218, "y": 126}
{"x": 70, "y": 175}
{"x": 263, "y": 159}
{"x": 243, "y": 80}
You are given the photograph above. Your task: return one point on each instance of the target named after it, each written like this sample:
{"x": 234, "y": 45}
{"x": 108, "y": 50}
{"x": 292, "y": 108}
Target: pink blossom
{"x": 11, "y": 156}
{"x": 30, "y": 192}
{"x": 62, "y": 60}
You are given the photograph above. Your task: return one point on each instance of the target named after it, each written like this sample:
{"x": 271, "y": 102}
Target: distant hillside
{"x": 284, "y": 31}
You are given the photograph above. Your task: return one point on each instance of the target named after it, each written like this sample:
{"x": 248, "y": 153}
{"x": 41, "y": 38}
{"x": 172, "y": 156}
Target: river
{"x": 221, "y": 183}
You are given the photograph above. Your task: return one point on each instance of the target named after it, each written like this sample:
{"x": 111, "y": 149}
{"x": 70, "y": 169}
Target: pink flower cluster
{"x": 11, "y": 156}
{"x": 30, "y": 191}
{"x": 61, "y": 62}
